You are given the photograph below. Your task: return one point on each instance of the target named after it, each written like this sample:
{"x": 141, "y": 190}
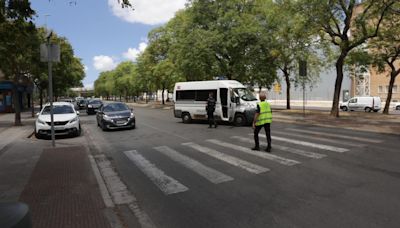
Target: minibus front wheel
{"x": 186, "y": 118}
{"x": 240, "y": 120}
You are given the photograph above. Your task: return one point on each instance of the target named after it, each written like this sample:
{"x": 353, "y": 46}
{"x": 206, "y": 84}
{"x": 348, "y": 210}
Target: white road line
{"x": 272, "y": 157}
{"x": 309, "y": 144}
{"x": 336, "y": 136}
{"x": 345, "y": 143}
{"x": 250, "y": 167}
{"x": 103, "y": 189}
{"x": 210, "y": 174}
{"x": 284, "y": 148}
{"x": 164, "y": 182}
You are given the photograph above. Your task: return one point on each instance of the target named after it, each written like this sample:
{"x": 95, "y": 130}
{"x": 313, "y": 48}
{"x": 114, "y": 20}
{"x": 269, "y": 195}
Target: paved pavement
{"x": 168, "y": 174}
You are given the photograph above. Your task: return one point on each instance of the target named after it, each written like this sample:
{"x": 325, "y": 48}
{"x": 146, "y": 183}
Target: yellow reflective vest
{"x": 265, "y": 115}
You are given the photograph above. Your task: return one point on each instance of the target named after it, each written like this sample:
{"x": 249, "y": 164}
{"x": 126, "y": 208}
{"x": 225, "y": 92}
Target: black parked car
{"x": 114, "y": 116}
{"x": 93, "y": 105}
{"x": 82, "y": 103}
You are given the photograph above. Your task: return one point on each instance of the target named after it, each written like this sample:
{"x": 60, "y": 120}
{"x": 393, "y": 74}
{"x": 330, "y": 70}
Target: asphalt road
{"x": 316, "y": 177}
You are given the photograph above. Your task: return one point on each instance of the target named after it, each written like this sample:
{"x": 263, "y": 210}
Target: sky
{"x": 101, "y": 32}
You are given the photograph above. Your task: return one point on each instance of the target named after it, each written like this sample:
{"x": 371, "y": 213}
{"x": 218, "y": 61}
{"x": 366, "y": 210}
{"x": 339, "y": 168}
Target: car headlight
{"x": 105, "y": 117}
{"x": 132, "y": 115}
{"x": 41, "y": 122}
{"x": 89, "y": 106}
{"x": 74, "y": 120}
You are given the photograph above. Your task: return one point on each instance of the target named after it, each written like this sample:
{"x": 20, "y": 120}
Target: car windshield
{"x": 115, "y": 107}
{"x": 58, "y": 109}
{"x": 95, "y": 102}
{"x": 245, "y": 94}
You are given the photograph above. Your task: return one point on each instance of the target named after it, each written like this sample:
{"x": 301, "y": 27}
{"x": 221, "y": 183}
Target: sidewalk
{"x": 63, "y": 192}
{"x": 361, "y": 121}
{"x": 58, "y": 184}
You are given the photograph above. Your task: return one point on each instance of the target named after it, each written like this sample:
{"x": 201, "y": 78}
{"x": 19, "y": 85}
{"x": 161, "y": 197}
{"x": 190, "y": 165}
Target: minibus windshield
{"x": 245, "y": 94}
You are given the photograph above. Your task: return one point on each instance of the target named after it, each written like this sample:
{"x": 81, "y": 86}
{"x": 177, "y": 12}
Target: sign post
{"x": 303, "y": 75}
{"x": 50, "y": 53}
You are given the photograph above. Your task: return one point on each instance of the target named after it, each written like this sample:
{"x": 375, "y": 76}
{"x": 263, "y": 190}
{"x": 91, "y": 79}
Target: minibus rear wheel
{"x": 186, "y": 118}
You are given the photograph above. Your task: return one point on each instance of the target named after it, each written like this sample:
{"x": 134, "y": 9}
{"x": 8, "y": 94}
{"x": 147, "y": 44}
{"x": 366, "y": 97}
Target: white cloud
{"x": 133, "y": 53}
{"x": 104, "y": 63}
{"x": 85, "y": 68}
{"x": 150, "y": 12}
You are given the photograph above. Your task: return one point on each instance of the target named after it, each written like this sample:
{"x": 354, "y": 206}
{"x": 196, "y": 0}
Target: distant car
{"x": 82, "y": 103}
{"x": 93, "y": 105}
{"x": 69, "y": 100}
{"x": 115, "y": 116}
{"x": 367, "y": 104}
{"x": 397, "y": 105}
{"x": 66, "y": 120}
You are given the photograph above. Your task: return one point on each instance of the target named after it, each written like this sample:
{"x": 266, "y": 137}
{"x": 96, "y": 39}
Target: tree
{"x": 293, "y": 42}
{"x": 16, "y": 44}
{"x": 337, "y": 19}
{"x": 385, "y": 51}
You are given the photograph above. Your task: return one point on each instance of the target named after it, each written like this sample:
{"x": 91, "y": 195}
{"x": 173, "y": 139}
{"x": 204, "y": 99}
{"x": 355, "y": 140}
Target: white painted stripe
{"x": 143, "y": 217}
{"x": 284, "y": 148}
{"x": 309, "y": 144}
{"x": 164, "y": 182}
{"x": 272, "y": 157}
{"x": 210, "y": 174}
{"x": 103, "y": 189}
{"x": 337, "y": 136}
{"x": 250, "y": 167}
{"x": 345, "y": 143}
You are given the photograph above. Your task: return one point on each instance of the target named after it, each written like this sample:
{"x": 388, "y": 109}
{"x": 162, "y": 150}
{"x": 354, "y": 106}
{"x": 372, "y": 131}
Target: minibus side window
{"x": 185, "y": 95}
{"x": 202, "y": 95}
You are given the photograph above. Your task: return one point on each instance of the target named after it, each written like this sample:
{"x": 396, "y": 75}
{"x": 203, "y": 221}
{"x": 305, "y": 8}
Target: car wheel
{"x": 103, "y": 127}
{"x": 398, "y": 107}
{"x": 37, "y": 135}
{"x": 79, "y": 131}
{"x": 375, "y": 110}
{"x": 240, "y": 120}
{"x": 367, "y": 109}
{"x": 186, "y": 118}
{"x": 344, "y": 109}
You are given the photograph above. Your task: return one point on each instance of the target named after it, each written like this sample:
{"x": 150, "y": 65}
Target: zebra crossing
{"x": 223, "y": 150}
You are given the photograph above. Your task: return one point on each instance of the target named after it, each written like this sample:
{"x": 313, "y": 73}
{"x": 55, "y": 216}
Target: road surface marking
{"x": 164, "y": 182}
{"x": 250, "y": 167}
{"x": 284, "y": 148}
{"x": 210, "y": 174}
{"x": 309, "y": 144}
{"x": 344, "y": 143}
{"x": 336, "y": 136}
{"x": 103, "y": 189}
{"x": 272, "y": 157}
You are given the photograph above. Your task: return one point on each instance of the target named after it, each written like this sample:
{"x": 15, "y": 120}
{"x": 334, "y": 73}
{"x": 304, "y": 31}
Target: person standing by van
{"x": 262, "y": 119}
{"x": 210, "y": 108}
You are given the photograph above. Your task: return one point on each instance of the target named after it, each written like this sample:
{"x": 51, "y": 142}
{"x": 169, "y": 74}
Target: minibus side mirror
{"x": 237, "y": 100}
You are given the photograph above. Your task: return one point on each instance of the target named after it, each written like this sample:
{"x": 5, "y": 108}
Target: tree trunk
{"x": 162, "y": 96}
{"x": 338, "y": 84}
{"x": 287, "y": 79}
{"x": 41, "y": 98}
{"x": 17, "y": 107}
{"x": 389, "y": 96}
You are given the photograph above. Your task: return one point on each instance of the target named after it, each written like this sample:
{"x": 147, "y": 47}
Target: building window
{"x": 394, "y": 89}
{"x": 380, "y": 89}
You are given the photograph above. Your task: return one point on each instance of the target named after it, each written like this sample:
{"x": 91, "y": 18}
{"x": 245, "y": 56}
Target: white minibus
{"x": 234, "y": 102}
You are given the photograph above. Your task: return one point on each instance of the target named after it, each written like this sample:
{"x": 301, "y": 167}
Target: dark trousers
{"x": 211, "y": 119}
{"x": 267, "y": 128}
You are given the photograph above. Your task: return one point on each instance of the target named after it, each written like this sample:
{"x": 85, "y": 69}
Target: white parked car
{"x": 366, "y": 104}
{"x": 66, "y": 120}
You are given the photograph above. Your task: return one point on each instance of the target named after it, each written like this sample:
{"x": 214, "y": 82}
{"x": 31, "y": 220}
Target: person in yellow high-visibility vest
{"x": 262, "y": 119}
